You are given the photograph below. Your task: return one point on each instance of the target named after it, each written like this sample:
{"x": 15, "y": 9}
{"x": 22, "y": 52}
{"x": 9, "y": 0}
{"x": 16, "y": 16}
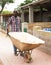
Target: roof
{"x": 34, "y": 3}
{"x": 6, "y": 14}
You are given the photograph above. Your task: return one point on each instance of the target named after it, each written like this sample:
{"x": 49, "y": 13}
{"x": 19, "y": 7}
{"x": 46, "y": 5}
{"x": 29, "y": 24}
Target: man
{"x": 14, "y": 22}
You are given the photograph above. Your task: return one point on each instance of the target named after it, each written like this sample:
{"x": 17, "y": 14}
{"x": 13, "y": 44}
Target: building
{"x": 38, "y": 11}
{"x": 4, "y": 20}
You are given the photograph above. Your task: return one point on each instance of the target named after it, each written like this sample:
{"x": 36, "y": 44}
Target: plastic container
{"x": 25, "y": 29}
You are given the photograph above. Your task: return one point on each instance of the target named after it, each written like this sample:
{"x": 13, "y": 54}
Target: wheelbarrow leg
{"x": 22, "y": 54}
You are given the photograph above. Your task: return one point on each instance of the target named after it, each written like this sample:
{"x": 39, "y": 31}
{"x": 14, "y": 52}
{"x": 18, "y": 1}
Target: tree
{"x": 3, "y": 2}
{"x": 26, "y": 2}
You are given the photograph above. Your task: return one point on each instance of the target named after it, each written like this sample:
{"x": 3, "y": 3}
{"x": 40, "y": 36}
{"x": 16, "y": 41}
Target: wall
{"x": 42, "y": 24}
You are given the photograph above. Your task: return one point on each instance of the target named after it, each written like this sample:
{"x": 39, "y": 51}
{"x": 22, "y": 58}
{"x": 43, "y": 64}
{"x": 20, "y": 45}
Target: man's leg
{"x": 15, "y": 50}
{"x": 7, "y": 32}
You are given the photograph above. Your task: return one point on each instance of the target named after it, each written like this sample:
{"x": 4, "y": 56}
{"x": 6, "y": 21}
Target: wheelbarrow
{"x": 25, "y": 42}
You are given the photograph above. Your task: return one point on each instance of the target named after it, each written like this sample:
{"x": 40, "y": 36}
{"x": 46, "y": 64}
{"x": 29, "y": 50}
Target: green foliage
{"x": 26, "y": 2}
{"x": 22, "y": 4}
{"x": 6, "y": 12}
{"x": 6, "y": 1}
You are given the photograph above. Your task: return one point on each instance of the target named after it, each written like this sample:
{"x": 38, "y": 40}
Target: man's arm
{"x": 8, "y": 24}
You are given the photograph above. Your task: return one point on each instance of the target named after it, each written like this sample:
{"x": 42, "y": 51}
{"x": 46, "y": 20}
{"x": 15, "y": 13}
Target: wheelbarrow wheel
{"x": 27, "y": 57}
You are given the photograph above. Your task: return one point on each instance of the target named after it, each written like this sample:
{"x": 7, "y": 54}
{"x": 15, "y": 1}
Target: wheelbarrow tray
{"x": 25, "y": 41}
